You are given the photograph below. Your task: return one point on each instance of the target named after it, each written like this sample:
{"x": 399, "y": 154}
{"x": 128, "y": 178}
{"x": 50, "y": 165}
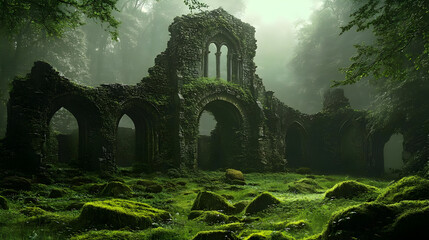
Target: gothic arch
{"x": 88, "y": 118}
{"x": 352, "y": 136}
{"x": 296, "y": 145}
{"x": 145, "y": 118}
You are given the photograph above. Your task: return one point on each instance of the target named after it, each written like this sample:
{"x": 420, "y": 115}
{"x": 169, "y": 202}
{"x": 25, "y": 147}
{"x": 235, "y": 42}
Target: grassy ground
{"x": 177, "y": 197}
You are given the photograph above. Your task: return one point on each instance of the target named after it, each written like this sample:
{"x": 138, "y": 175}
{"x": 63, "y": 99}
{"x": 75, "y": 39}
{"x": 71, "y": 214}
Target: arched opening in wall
{"x": 62, "y": 143}
{"x": 393, "y": 153}
{"x": 222, "y": 148}
{"x": 126, "y": 142}
{"x": 295, "y": 143}
{"x": 212, "y": 61}
{"x": 352, "y": 152}
{"x": 139, "y": 150}
{"x": 224, "y": 63}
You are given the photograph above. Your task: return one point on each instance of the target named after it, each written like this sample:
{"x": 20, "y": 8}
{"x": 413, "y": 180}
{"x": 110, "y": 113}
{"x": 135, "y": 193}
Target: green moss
{"x": 240, "y": 206}
{"x": 268, "y": 235}
{"x": 408, "y": 188}
{"x": 33, "y": 211}
{"x": 105, "y": 235}
{"x": 207, "y": 200}
{"x": 292, "y": 226}
{"x": 215, "y": 235}
{"x": 116, "y": 189}
{"x": 212, "y": 217}
{"x": 263, "y": 201}
{"x": 351, "y": 189}
{"x": 118, "y": 213}
{"x": 412, "y": 224}
{"x": 234, "y": 227}
{"x": 233, "y": 174}
{"x": 305, "y": 185}
{"x": 162, "y": 233}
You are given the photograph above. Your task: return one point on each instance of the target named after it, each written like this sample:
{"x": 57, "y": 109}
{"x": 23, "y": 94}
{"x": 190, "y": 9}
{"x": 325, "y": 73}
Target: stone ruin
{"x": 254, "y": 131}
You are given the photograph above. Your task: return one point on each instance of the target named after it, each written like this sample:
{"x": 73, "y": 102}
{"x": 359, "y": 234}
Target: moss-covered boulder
{"x": 305, "y": 185}
{"x": 234, "y": 177}
{"x": 116, "y": 189}
{"x": 268, "y": 235}
{"x": 16, "y": 183}
{"x": 233, "y": 227}
{"x": 118, "y": 213}
{"x": 215, "y": 235}
{"x": 105, "y": 235}
{"x": 150, "y": 186}
{"x": 263, "y": 201}
{"x": 351, "y": 189}
{"x": 33, "y": 211}
{"x": 408, "y": 188}
{"x": 292, "y": 226}
{"x": 212, "y": 217}
{"x": 3, "y": 203}
{"x": 404, "y": 220}
{"x": 240, "y": 206}
{"x": 57, "y": 193}
{"x": 207, "y": 200}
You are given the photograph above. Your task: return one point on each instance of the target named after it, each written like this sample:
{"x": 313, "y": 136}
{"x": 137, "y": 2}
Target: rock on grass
{"x": 408, "y": 188}
{"x": 116, "y": 189}
{"x": 305, "y": 185}
{"x": 234, "y": 176}
{"x": 215, "y": 235}
{"x": 207, "y": 200}
{"x": 263, "y": 201}
{"x": 119, "y": 213}
{"x": 351, "y": 189}
{"x": 16, "y": 183}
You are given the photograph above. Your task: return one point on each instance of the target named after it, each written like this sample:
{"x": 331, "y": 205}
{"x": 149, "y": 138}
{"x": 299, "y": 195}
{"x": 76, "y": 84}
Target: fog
{"x": 299, "y": 48}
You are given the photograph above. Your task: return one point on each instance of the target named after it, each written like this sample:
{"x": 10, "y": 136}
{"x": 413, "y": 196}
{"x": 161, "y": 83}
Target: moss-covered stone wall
{"x": 255, "y": 131}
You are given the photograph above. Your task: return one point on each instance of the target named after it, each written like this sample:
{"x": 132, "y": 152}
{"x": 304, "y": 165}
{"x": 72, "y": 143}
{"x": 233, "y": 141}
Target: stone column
{"x": 218, "y": 53}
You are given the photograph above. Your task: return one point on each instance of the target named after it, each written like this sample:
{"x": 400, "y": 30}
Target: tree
{"x": 398, "y": 62}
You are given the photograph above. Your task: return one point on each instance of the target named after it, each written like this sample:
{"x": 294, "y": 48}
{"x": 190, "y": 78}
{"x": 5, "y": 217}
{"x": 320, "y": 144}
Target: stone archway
{"x": 88, "y": 119}
{"x": 296, "y": 145}
{"x": 226, "y": 143}
{"x": 144, "y": 116}
{"x": 352, "y": 147}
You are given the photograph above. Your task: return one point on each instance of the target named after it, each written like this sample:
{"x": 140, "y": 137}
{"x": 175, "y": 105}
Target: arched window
{"x": 62, "y": 145}
{"x": 224, "y": 63}
{"x": 212, "y": 61}
{"x": 295, "y": 145}
{"x": 126, "y": 142}
{"x": 393, "y": 153}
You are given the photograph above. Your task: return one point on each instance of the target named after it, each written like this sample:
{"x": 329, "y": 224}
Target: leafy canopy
{"x": 401, "y": 50}
{"x": 54, "y": 17}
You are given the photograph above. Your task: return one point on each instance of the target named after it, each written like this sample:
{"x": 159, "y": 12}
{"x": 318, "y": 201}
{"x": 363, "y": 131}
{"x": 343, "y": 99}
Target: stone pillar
{"x": 229, "y": 66}
{"x": 218, "y": 53}
{"x": 206, "y": 63}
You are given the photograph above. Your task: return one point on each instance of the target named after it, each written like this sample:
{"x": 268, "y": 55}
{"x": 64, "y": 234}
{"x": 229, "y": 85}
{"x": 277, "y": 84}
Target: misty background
{"x": 299, "y": 48}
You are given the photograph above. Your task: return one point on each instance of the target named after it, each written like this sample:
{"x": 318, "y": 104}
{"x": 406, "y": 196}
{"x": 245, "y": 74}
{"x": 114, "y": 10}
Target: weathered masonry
{"x": 254, "y": 130}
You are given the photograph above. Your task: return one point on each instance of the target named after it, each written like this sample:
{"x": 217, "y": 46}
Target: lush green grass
{"x": 310, "y": 210}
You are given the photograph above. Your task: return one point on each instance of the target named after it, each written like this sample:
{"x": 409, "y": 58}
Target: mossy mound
{"x": 405, "y": 220}
{"x": 240, "y": 206}
{"x": 33, "y": 211}
{"x": 57, "y": 193}
{"x": 116, "y": 189}
{"x": 150, "y": 186}
{"x": 292, "y": 226}
{"x": 162, "y": 233}
{"x": 207, "y": 201}
{"x": 263, "y": 201}
{"x": 3, "y": 203}
{"x": 408, "y": 188}
{"x": 305, "y": 185}
{"x": 212, "y": 217}
{"x": 215, "y": 235}
{"x": 351, "y": 189}
{"x": 81, "y": 180}
{"x": 105, "y": 235}
{"x": 268, "y": 235}
{"x": 16, "y": 183}
{"x": 233, "y": 227}
{"x": 118, "y": 213}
